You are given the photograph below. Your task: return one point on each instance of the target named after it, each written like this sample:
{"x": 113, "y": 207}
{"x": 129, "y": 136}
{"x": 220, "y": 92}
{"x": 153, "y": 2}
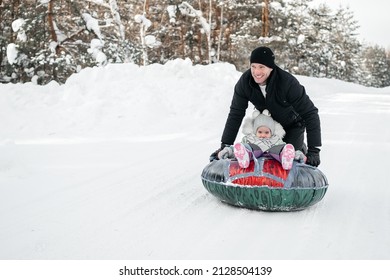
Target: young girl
{"x": 263, "y": 136}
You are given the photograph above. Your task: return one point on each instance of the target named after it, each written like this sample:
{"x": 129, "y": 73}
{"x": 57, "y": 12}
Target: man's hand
{"x": 313, "y": 156}
{"x": 214, "y": 155}
{"x": 226, "y": 152}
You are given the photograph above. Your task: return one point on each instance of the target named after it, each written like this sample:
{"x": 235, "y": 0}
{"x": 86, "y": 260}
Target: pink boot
{"x": 242, "y": 155}
{"x": 287, "y": 156}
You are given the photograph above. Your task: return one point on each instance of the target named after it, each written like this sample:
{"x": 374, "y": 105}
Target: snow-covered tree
{"x": 297, "y": 37}
{"x": 376, "y": 67}
{"x": 44, "y": 40}
{"x": 221, "y": 4}
{"x": 246, "y": 30}
{"x": 347, "y": 48}
{"x": 144, "y": 24}
{"x": 188, "y": 10}
{"x": 320, "y": 52}
{"x": 62, "y": 38}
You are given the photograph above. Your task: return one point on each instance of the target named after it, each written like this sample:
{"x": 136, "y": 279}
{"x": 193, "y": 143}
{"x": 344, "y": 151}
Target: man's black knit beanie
{"x": 263, "y": 55}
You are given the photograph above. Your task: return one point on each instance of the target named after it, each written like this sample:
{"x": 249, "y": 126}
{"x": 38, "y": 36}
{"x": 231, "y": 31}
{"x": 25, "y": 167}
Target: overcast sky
{"x": 373, "y": 17}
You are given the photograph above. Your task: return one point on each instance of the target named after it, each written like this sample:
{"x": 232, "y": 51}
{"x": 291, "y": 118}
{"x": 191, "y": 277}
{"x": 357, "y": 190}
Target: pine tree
{"x": 346, "y": 50}
{"x": 297, "y": 34}
{"x": 320, "y": 55}
{"x": 246, "y": 30}
{"x": 376, "y": 67}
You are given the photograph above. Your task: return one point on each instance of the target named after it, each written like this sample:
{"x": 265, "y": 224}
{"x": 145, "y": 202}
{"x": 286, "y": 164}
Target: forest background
{"x": 46, "y": 40}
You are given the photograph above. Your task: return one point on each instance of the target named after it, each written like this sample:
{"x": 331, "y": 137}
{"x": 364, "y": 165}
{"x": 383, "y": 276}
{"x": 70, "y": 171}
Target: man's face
{"x": 260, "y": 73}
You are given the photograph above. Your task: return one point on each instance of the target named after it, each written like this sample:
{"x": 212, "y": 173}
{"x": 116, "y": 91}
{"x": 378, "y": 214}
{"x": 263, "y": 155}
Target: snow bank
{"x": 118, "y": 100}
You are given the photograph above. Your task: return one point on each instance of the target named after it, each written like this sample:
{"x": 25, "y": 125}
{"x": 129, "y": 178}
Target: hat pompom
{"x": 266, "y": 112}
{"x": 247, "y": 126}
{"x": 255, "y": 114}
{"x": 279, "y": 131}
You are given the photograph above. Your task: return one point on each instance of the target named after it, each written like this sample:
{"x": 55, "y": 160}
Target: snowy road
{"x": 141, "y": 197}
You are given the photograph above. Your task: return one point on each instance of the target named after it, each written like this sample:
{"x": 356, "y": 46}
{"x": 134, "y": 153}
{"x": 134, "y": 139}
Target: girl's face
{"x": 263, "y": 132}
{"x": 260, "y": 73}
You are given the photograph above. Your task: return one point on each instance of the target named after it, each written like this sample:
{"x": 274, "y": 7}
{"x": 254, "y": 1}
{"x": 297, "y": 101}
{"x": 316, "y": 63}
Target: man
{"x": 269, "y": 87}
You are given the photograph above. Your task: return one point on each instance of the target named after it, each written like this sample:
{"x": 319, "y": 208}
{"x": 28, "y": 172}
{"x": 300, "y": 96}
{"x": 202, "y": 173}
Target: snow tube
{"x": 265, "y": 185}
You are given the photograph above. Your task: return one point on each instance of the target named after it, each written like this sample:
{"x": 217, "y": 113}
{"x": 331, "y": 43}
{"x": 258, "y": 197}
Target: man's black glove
{"x": 214, "y": 156}
{"x": 313, "y": 156}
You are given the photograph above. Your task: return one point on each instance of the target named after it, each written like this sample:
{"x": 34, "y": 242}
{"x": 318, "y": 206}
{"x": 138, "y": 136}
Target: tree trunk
{"x": 220, "y": 33}
{"x": 146, "y": 7}
{"x": 200, "y": 46}
{"x": 265, "y": 19}
{"x": 209, "y": 33}
{"x": 50, "y": 20}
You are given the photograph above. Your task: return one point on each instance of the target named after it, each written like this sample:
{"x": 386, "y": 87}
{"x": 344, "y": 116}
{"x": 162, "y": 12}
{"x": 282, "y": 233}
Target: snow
{"x": 18, "y": 24}
{"x": 141, "y": 19}
{"x": 151, "y": 41}
{"x": 171, "y": 9}
{"x": 12, "y": 53}
{"x": 60, "y": 35}
{"x": 92, "y": 24}
{"x": 301, "y": 39}
{"x": 96, "y": 44}
{"x": 95, "y": 51}
{"x": 108, "y": 166}
{"x": 187, "y": 10}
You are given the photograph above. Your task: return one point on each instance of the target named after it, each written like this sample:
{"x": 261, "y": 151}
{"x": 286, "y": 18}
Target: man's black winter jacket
{"x": 287, "y": 102}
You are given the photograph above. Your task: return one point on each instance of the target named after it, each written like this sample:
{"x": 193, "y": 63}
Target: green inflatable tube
{"x": 264, "y": 185}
